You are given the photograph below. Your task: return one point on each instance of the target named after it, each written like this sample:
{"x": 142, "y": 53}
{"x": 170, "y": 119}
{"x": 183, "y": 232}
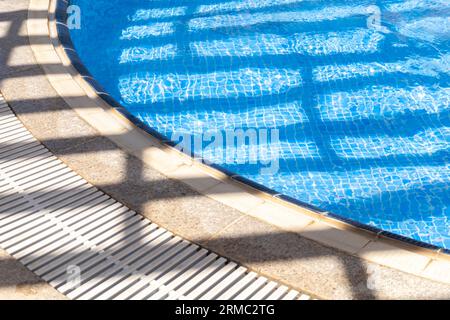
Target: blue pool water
{"x": 358, "y": 92}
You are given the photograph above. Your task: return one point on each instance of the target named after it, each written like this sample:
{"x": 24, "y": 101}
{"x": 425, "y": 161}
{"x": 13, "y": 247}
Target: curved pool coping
{"x": 84, "y": 94}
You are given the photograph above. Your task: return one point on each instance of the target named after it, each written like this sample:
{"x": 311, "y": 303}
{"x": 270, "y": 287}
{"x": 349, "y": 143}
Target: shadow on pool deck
{"x": 289, "y": 257}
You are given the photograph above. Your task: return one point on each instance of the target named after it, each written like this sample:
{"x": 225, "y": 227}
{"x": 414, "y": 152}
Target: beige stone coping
{"x": 212, "y": 183}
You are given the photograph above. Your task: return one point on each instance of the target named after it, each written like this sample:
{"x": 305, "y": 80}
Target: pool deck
{"x": 65, "y": 230}
{"x": 304, "y": 251}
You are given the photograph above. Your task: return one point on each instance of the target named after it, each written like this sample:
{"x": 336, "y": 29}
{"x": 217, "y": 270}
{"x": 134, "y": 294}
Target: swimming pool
{"x": 341, "y": 105}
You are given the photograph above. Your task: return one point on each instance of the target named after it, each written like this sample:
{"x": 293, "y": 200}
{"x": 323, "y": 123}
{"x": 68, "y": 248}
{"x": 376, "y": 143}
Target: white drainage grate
{"x": 89, "y": 246}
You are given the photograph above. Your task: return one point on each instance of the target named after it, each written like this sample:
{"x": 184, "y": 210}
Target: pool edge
{"x": 347, "y": 236}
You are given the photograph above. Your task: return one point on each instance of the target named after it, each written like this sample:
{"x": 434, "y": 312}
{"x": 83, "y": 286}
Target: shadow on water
{"x": 133, "y": 177}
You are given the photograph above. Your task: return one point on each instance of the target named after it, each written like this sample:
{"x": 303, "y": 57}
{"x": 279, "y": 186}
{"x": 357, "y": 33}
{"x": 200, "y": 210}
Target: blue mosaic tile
{"x": 357, "y": 92}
